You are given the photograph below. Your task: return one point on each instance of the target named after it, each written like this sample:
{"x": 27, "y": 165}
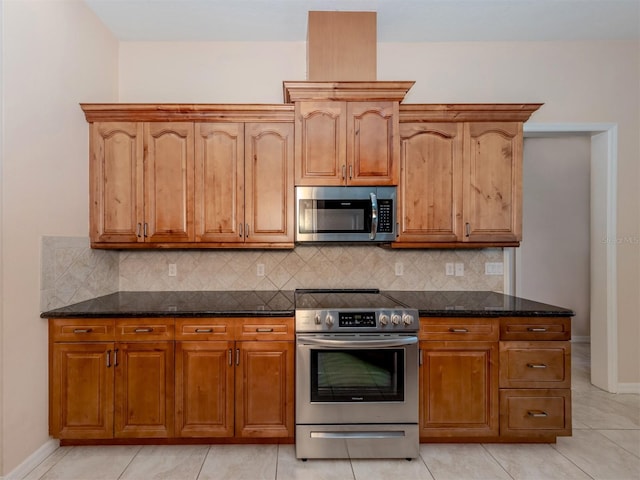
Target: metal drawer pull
{"x": 108, "y": 358}
{"x": 82, "y": 330}
{"x": 230, "y": 357}
{"x": 237, "y": 356}
{"x": 204, "y": 330}
{"x": 538, "y": 414}
{"x": 264, "y": 330}
{"x": 458, "y": 330}
{"x": 536, "y": 365}
{"x": 536, "y": 329}
{"x": 143, "y": 330}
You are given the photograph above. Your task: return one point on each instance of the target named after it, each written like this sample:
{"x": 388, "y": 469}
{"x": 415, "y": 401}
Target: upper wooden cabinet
{"x": 461, "y": 175}
{"x": 191, "y": 176}
{"x": 346, "y": 133}
{"x": 346, "y": 143}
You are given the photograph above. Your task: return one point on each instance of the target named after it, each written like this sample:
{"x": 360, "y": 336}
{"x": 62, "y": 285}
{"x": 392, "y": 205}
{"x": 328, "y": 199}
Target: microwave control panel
{"x": 385, "y": 216}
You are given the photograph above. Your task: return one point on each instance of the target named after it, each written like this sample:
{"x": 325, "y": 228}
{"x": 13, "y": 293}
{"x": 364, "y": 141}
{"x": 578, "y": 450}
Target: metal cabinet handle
{"x": 467, "y": 229}
{"x": 420, "y": 358}
{"x": 230, "y": 357}
{"x": 246, "y": 228}
{"x": 138, "y": 228}
{"x": 240, "y": 229}
{"x": 536, "y": 365}
{"x": 536, "y": 329}
{"x": 146, "y": 229}
{"x": 143, "y": 330}
{"x": 82, "y": 330}
{"x": 458, "y": 330}
{"x": 264, "y": 330}
{"x": 115, "y": 357}
{"x": 344, "y": 172}
{"x": 350, "y": 172}
{"x": 204, "y": 330}
{"x": 537, "y": 414}
{"x": 108, "y": 358}
{"x": 237, "y": 356}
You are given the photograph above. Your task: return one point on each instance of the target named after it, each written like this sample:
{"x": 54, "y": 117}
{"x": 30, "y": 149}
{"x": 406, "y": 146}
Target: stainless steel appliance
{"x": 345, "y": 214}
{"x": 356, "y": 375}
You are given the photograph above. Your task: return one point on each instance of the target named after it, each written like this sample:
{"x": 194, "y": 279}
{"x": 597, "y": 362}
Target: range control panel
{"x": 357, "y": 320}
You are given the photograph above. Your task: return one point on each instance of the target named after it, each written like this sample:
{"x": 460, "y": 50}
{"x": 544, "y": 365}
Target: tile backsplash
{"x": 72, "y": 272}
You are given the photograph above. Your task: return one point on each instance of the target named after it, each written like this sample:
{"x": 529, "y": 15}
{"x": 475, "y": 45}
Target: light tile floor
{"x": 605, "y": 445}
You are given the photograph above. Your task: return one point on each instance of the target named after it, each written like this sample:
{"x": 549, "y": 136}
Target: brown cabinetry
{"x": 458, "y": 378}
{"x": 346, "y": 143}
{"x": 234, "y": 377}
{"x": 191, "y": 176}
{"x": 535, "y": 377}
{"x": 111, "y": 378}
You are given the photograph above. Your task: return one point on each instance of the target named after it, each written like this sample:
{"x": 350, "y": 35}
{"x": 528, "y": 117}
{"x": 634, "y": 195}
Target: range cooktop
{"x": 332, "y": 299}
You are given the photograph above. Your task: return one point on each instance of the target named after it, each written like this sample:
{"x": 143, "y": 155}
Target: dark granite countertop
{"x": 281, "y": 303}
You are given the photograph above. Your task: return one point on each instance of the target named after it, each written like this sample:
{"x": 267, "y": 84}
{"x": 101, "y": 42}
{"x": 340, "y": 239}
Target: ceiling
{"x": 397, "y": 20}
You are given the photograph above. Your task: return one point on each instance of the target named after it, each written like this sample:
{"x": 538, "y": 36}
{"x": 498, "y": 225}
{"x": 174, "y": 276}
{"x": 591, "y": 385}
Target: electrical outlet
{"x": 399, "y": 269}
{"x": 260, "y": 270}
{"x": 173, "y": 270}
{"x": 494, "y": 268}
{"x": 448, "y": 269}
{"x": 459, "y": 269}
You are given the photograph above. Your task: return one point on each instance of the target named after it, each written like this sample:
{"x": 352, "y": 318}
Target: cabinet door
{"x": 144, "y": 390}
{"x": 268, "y": 197}
{"x": 116, "y": 189}
{"x": 204, "y": 389}
{"x": 459, "y": 389}
{"x": 168, "y": 173}
{"x": 373, "y": 143}
{"x": 493, "y": 182}
{"x": 430, "y": 182}
{"x": 264, "y": 389}
{"x": 320, "y": 143}
{"x": 81, "y": 387}
{"x": 219, "y": 182}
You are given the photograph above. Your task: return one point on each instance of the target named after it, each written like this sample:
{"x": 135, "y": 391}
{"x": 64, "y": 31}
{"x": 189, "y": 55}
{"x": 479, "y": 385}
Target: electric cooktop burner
{"x": 325, "y": 299}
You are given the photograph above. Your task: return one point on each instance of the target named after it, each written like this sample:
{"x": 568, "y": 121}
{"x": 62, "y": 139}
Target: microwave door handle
{"x": 374, "y": 216}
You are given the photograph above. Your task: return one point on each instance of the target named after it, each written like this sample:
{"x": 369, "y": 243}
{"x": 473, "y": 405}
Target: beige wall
{"x": 55, "y": 55}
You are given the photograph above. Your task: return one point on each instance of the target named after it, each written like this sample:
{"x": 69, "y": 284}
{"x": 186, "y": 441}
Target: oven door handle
{"x": 355, "y": 342}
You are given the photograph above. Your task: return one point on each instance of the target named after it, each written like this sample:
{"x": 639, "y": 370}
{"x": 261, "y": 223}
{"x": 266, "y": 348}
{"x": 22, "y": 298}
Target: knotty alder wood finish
{"x": 191, "y": 176}
{"x": 461, "y": 175}
{"x": 495, "y": 379}
{"x": 115, "y": 379}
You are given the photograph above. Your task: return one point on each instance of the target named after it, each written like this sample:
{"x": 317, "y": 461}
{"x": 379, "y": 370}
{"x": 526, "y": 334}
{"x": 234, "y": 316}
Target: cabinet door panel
{"x": 204, "y": 389}
{"x": 459, "y": 389}
{"x": 169, "y": 171}
{"x": 82, "y": 391}
{"x": 219, "y": 189}
{"x": 320, "y": 139}
{"x": 116, "y": 189}
{"x": 430, "y": 182}
{"x": 264, "y": 389}
{"x": 144, "y": 390}
{"x": 493, "y": 182}
{"x": 372, "y": 143}
{"x": 269, "y": 182}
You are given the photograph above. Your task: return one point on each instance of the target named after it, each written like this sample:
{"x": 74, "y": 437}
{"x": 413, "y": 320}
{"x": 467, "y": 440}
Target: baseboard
{"x": 33, "y": 460}
{"x": 629, "y": 388}
{"x": 584, "y": 339}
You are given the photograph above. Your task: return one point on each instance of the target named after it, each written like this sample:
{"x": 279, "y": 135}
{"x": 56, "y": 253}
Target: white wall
{"x": 55, "y": 55}
{"x": 577, "y": 82}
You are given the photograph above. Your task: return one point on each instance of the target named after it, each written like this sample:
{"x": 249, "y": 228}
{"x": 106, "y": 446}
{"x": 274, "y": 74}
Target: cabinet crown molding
{"x": 346, "y": 91}
{"x": 467, "y": 112}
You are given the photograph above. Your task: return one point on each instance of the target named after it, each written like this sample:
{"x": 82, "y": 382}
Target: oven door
{"x": 356, "y": 378}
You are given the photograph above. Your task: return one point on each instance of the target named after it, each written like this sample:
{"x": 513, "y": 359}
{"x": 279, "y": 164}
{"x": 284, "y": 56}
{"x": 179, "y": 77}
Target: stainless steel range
{"x": 356, "y": 375}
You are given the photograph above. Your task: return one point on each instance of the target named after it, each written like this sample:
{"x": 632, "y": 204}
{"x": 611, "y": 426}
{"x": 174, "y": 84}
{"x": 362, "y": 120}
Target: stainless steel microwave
{"x": 345, "y": 214}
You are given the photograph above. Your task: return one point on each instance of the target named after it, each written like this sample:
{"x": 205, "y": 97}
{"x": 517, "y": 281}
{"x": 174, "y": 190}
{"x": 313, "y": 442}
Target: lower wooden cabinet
{"x": 171, "y": 378}
{"x": 535, "y": 413}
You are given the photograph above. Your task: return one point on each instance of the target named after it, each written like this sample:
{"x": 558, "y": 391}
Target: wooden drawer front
{"x": 535, "y": 328}
{"x": 144, "y": 329}
{"x": 82, "y": 330}
{"x": 199, "y": 329}
{"x": 473, "y": 329}
{"x": 535, "y": 365}
{"x": 265, "y": 329}
{"x": 535, "y": 412}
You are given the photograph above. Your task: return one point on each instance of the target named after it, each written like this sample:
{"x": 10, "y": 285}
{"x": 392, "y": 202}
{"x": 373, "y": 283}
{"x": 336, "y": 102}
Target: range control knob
{"x": 384, "y": 319}
{"x": 317, "y": 319}
{"x": 407, "y": 319}
{"x": 395, "y": 319}
{"x": 328, "y": 320}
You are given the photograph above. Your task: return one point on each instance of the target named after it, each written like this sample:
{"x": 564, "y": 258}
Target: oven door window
{"x": 357, "y": 375}
{"x": 334, "y": 216}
